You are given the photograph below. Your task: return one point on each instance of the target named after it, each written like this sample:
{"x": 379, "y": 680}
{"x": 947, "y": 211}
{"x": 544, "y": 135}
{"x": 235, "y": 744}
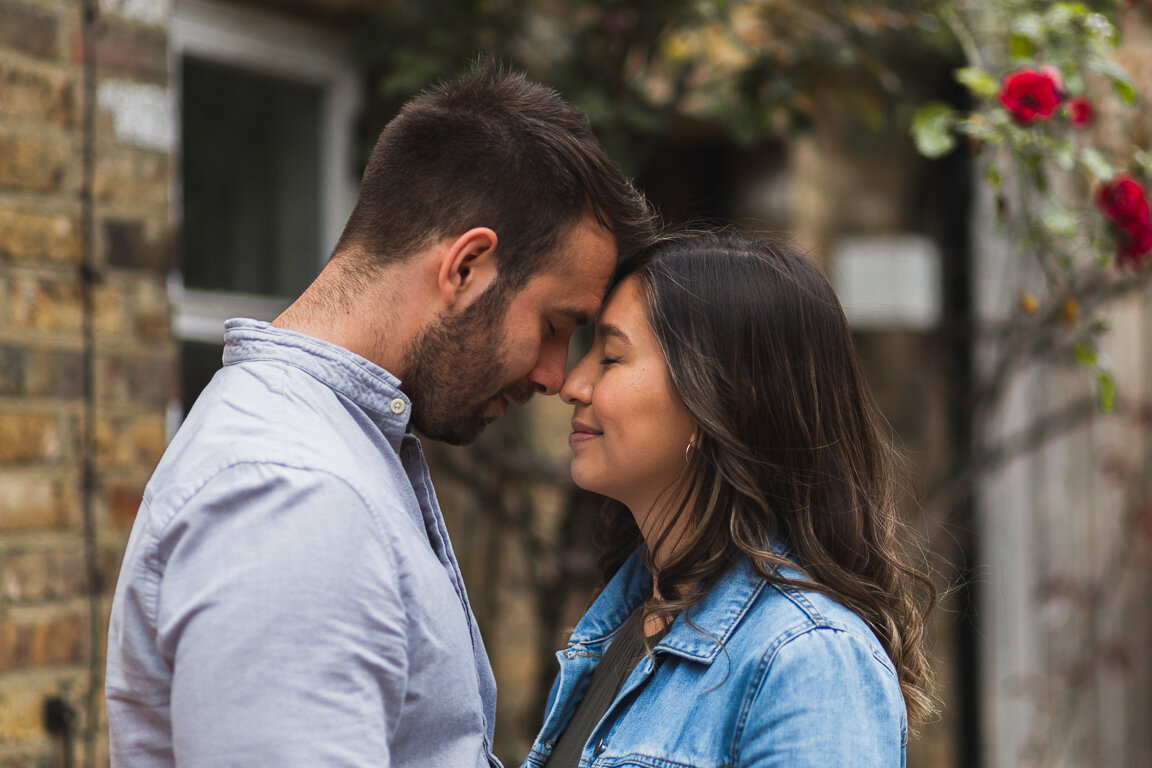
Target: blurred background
{"x": 167, "y": 164}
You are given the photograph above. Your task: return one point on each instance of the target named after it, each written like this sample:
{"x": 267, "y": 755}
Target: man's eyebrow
{"x": 577, "y": 316}
{"x": 607, "y": 329}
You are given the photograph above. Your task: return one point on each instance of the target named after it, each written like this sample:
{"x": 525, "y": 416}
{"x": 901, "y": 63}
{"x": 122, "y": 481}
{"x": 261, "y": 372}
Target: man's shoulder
{"x": 245, "y": 433}
{"x": 279, "y": 413}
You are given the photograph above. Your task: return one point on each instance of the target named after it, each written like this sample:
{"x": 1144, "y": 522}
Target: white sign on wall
{"x": 887, "y": 282}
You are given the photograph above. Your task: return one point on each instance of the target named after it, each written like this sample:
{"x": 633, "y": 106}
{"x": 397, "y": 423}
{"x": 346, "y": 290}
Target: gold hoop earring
{"x": 687, "y": 450}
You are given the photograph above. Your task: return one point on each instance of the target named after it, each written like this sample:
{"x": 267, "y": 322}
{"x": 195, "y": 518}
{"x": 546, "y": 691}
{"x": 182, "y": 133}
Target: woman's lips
{"x": 581, "y": 433}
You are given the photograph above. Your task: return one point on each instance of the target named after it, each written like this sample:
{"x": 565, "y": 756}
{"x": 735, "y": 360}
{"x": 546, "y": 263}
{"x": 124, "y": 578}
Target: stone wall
{"x": 84, "y": 251}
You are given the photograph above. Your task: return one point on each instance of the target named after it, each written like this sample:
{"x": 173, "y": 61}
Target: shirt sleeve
{"x": 280, "y": 615}
{"x": 826, "y": 701}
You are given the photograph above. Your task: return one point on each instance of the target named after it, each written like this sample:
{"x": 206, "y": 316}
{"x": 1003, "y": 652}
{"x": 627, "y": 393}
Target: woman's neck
{"x": 663, "y": 525}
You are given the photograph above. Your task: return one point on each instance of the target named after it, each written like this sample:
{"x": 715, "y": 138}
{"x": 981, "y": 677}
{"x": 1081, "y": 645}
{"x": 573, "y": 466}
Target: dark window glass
{"x": 250, "y": 168}
{"x": 199, "y": 362}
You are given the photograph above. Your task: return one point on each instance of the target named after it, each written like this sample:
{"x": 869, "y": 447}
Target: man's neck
{"x": 372, "y": 320}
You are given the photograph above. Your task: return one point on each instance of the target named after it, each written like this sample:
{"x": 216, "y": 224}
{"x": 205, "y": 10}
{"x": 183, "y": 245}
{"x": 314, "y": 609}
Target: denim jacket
{"x": 754, "y": 675}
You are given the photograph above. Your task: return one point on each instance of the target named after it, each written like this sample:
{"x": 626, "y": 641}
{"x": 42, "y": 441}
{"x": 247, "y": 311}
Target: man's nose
{"x": 548, "y": 375}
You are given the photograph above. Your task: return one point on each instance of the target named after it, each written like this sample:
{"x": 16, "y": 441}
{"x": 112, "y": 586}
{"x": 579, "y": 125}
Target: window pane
{"x": 198, "y": 364}
{"x": 250, "y": 180}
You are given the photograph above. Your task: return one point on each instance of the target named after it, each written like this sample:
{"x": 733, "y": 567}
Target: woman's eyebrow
{"x": 607, "y": 329}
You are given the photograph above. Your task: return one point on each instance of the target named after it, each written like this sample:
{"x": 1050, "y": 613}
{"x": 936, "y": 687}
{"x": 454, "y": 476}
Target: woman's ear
{"x": 467, "y": 267}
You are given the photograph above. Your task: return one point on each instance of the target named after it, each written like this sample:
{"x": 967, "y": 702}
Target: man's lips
{"x": 500, "y": 404}
{"x": 582, "y": 432}
{"x": 497, "y": 407}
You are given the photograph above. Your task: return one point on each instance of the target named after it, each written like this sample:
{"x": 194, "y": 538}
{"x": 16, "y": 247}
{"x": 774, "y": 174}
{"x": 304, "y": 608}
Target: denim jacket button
{"x": 600, "y": 747}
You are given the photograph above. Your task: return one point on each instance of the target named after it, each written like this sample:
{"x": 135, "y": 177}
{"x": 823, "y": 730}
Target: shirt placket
{"x": 412, "y": 456}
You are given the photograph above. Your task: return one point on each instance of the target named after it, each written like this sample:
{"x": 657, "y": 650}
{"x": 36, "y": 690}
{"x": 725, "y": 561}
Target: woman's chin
{"x": 586, "y": 480}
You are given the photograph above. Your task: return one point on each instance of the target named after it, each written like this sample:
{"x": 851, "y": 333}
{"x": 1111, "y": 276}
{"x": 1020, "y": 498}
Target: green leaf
{"x": 1106, "y": 391}
{"x": 995, "y": 178}
{"x": 932, "y": 129}
{"x": 1038, "y": 175}
{"x": 976, "y": 80}
{"x": 1028, "y": 26}
{"x": 1125, "y": 91}
{"x": 1121, "y": 82}
{"x": 1064, "y": 155}
{"x": 1021, "y": 46}
{"x": 1144, "y": 161}
{"x": 1060, "y": 222}
{"x": 1061, "y": 16}
{"x": 1085, "y": 354}
{"x": 1098, "y": 165}
{"x": 1100, "y": 30}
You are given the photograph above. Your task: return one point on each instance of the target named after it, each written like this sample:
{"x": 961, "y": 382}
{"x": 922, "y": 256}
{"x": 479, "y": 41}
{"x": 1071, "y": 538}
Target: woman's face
{"x": 629, "y": 428}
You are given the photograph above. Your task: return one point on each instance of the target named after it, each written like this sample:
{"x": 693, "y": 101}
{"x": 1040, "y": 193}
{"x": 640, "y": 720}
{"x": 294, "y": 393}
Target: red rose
{"x": 1135, "y": 245}
{"x": 1080, "y": 110}
{"x": 1032, "y": 94}
{"x": 1123, "y": 201}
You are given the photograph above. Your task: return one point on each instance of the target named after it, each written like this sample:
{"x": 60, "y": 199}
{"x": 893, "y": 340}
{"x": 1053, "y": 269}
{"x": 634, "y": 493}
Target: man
{"x": 289, "y": 595}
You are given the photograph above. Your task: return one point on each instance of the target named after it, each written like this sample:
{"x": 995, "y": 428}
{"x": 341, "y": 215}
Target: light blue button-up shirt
{"x": 289, "y": 595}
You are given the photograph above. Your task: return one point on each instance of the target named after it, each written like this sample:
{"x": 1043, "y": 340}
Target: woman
{"x": 759, "y": 610}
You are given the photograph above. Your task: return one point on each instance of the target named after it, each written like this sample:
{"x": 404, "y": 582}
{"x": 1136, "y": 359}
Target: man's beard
{"x": 450, "y": 368}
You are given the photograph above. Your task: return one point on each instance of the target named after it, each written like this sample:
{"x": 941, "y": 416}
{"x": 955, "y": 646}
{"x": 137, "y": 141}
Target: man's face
{"x": 464, "y": 370}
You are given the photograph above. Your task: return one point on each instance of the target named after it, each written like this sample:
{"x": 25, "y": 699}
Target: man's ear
{"x": 467, "y": 267}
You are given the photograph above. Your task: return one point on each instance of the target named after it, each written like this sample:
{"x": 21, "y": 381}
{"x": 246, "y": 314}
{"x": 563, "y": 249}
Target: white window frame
{"x": 272, "y": 45}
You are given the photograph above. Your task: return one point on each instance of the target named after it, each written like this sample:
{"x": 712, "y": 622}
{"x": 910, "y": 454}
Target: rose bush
{"x": 1073, "y": 200}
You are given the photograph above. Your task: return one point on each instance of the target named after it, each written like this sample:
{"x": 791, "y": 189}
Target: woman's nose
{"x": 576, "y": 385}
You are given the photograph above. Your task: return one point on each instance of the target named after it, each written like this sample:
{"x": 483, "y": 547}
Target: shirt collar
{"x": 372, "y": 388}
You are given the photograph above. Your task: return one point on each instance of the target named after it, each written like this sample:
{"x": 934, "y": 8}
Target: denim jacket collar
{"x": 699, "y": 634}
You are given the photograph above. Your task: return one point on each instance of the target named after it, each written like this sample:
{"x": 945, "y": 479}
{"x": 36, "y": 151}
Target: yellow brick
{"x": 39, "y": 237}
{"x": 135, "y": 441}
{"x": 22, "y": 703}
{"x": 32, "y": 93}
{"x": 39, "y": 162}
{"x": 30, "y": 438}
{"x": 153, "y": 312}
{"x": 29, "y": 502}
{"x": 132, "y": 176}
{"x": 45, "y": 305}
{"x": 108, "y": 308}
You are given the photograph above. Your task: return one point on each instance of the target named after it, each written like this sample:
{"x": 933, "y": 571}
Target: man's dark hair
{"x": 496, "y": 150}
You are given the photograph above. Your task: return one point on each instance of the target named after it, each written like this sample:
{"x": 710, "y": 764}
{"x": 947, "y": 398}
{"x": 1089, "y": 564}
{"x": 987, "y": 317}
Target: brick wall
{"x": 59, "y": 548}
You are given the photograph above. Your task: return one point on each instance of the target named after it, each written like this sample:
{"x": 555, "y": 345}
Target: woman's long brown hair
{"x": 789, "y": 449}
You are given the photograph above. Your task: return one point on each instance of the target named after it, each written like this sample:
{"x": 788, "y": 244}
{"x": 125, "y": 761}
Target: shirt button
{"x": 397, "y": 406}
